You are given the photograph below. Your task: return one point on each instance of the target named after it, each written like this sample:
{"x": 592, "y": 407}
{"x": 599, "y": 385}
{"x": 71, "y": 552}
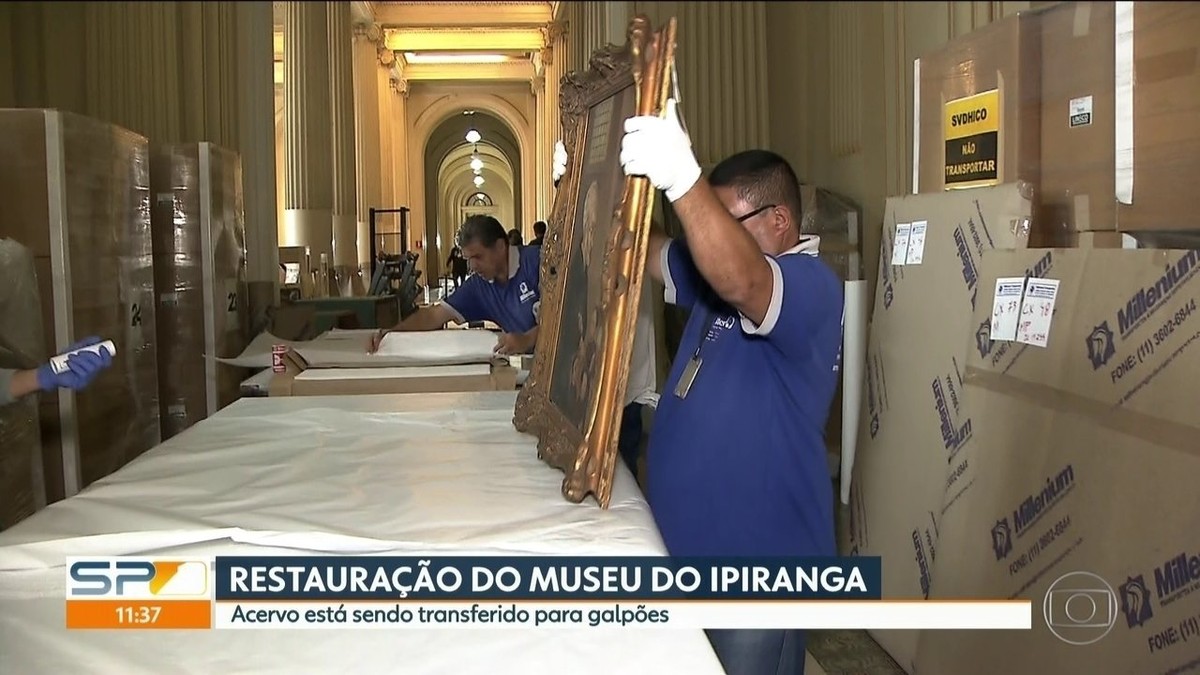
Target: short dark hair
{"x": 760, "y": 177}
{"x": 539, "y": 228}
{"x": 484, "y": 229}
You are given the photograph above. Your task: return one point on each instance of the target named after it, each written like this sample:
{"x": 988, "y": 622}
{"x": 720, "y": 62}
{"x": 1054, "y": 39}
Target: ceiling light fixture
{"x": 478, "y": 181}
{"x": 476, "y": 164}
{"x": 454, "y": 57}
{"x": 473, "y": 136}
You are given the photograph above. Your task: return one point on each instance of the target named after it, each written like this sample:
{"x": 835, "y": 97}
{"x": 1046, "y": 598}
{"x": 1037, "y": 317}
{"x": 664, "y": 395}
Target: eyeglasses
{"x": 755, "y": 212}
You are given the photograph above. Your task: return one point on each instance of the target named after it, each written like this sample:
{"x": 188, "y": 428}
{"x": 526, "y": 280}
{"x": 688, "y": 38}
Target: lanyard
{"x": 692, "y": 368}
{"x": 705, "y": 327}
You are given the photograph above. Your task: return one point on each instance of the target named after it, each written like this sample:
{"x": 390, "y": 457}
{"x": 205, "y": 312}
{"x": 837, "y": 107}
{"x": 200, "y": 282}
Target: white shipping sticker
{"x": 1080, "y": 112}
{"x": 1037, "y": 311}
{"x": 900, "y": 243}
{"x": 1006, "y": 307}
{"x": 916, "y": 243}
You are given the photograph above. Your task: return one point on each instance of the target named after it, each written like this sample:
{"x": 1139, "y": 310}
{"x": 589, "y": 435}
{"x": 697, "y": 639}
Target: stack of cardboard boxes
{"x": 80, "y": 258}
{"x": 200, "y": 275}
{"x": 1095, "y": 103}
{"x": 22, "y": 488}
{"x": 77, "y": 195}
{"x": 1029, "y": 426}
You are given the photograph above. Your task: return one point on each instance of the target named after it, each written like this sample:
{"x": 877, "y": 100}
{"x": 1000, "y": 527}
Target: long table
{"x": 427, "y": 474}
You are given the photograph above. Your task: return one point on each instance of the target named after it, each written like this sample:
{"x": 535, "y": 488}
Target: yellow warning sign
{"x": 971, "y": 129}
{"x": 973, "y": 115}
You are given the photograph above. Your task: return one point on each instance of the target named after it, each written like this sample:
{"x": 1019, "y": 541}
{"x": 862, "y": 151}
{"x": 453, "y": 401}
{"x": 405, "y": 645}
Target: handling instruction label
{"x": 971, "y": 130}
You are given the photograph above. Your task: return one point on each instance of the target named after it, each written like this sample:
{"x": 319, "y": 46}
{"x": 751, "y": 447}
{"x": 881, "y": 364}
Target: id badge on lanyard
{"x": 692, "y": 369}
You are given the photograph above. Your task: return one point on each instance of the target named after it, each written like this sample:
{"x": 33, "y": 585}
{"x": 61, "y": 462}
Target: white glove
{"x": 659, "y": 149}
{"x": 560, "y": 161}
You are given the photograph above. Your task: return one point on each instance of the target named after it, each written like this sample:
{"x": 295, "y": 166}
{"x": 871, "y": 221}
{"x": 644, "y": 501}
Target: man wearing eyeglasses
{"x": 736, "y": 460}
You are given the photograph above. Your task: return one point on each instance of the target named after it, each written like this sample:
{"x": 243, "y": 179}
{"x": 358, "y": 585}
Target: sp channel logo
{"x": 131, "y": 578}
{"x": 1080, "y": 608}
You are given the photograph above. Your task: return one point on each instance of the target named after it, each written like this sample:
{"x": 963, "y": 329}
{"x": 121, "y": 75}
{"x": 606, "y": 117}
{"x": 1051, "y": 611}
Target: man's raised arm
{"x": 723, "y": 251}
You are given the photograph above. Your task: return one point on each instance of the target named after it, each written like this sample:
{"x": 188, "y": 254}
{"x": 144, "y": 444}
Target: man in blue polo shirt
{"x": 504, "y": 289}
{"x": 736, "y": 459}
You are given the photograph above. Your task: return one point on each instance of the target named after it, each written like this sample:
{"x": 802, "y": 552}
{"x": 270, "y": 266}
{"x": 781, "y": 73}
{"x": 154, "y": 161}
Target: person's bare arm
{"x": 724, "y": 252}
{"x": 20, "y": 383}
{"x": 433, "y": 317}
{"x": 425, "y": 318}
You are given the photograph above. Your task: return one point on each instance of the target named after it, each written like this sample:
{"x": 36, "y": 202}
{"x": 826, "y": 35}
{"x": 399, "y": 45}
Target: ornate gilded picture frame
{"x": 593, "y": 263}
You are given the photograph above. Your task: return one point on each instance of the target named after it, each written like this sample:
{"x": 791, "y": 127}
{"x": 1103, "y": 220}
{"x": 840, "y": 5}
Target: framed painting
{"x": 593, "y": 263}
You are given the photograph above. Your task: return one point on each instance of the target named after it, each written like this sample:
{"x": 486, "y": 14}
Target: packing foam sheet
{"x": 348, "y": 349}
{"x": 419, "y": 474}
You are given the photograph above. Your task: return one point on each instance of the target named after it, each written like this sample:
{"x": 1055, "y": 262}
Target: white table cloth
{"x": 348, "y": 349}
{"x": 435, "y": 474}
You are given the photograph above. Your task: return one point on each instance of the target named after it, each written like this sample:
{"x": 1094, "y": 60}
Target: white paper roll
{"x": 854, "y": 357}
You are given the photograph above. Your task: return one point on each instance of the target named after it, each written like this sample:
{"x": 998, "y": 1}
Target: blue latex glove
{"x": 82, "y": 368}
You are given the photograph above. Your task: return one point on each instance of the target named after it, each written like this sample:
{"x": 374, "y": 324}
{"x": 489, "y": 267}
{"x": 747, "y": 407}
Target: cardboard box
{"x": 297, "y": 379}
{"x": 199, "y": 238}
{"x": 977, "y": 110}
{"x": 1081, "y": 484}
{"x": 1120, "y": 116}
{"x": 915, "y": 417}
{"x": 77, "y": 195}
{"x": 22, "y": 484}
{"x": 1096, "y": 103}
{"x": 1078, "y": 181}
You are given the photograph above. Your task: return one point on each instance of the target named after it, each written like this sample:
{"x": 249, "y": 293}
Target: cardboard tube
{"x": 854, "y": 357}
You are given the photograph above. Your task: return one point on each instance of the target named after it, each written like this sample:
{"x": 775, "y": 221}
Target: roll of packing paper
{"x": 854, "y": 358}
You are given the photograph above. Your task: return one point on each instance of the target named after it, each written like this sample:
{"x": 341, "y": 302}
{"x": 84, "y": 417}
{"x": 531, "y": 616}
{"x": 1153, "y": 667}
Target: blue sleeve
{"x": 681, "y": 278}
{"x": 466, "y": 302}
{"x": 806, "y": 299}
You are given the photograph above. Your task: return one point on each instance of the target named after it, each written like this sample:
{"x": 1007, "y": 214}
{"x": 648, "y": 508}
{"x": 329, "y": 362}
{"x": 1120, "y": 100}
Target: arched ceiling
{"x": 455, "y": 41}
{"x": 459, "y": 161}
{"x": 443, "y": 140}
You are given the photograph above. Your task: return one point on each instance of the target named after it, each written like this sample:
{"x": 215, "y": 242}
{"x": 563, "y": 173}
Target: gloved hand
{"x": 560, "y": 161}
{"x": 659, "y": 149}
{"x": 82, "y": 368}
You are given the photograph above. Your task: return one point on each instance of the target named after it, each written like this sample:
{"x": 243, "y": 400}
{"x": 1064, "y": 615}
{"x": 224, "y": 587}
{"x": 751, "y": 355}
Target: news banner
{"x": 390, "y": 593}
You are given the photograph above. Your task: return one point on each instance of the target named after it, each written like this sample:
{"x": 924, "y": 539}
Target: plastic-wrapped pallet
{"x": 22, "y": 486}
{"x": 837, "y": 221}
{"x": 76, "y": 193}
{"x": 200, "y": 275}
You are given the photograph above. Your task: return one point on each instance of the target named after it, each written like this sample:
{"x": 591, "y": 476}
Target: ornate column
{"x": 550, "y": 65}
{"x": 399, "y": 122}
{"x": 402, "y": 159}
{"x": 341, "y": 93}
{"x": 308, "y": 138}
{"x": 366, "y": 130}
{"x": 543, "y": 142}
{"x": 387, "y": 149}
